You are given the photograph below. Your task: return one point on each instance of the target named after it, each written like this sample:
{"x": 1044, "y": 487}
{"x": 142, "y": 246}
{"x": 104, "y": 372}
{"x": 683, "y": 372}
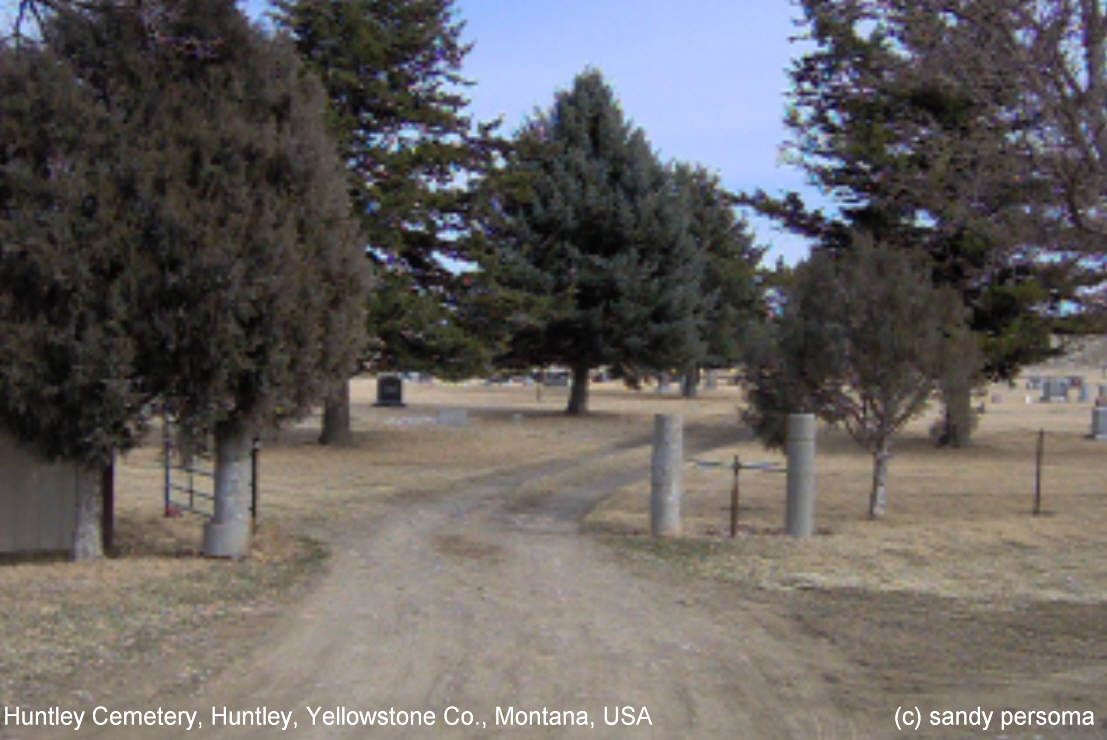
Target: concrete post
{"x": 666, "y": 475}
{"x": 1099, "y": 422}
{"x": 800, "y": 514}
{"x": 227, "y": 533}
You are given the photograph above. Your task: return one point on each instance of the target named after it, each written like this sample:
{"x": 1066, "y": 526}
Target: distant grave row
{"x": 1057, "y": 388}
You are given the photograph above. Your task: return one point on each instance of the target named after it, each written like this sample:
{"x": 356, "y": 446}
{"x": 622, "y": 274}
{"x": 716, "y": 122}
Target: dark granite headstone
{"x": 390, "y": 391}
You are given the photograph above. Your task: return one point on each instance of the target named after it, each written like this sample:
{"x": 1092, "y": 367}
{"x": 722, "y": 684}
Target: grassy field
{"x": 959, "y": 520}
{"x": 77, "y": 622}
{"x": 958, "y": 546}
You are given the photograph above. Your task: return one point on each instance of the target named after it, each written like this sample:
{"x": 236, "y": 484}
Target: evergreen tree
{"x": 253, "y": 304}
{"x": 857, "y": 341}
{"x": 730, "y": 294}
{"x": 392, "y": 73}
{"x": 927, "y": 163}
{"x": 584, "y": 214}
{"x": 71, "y": 274}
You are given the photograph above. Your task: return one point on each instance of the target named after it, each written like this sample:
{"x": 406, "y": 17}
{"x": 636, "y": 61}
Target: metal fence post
{"x": 254, "y": 453}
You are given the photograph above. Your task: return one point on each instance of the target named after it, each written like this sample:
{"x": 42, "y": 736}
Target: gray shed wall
{"x": 38, "y": 500}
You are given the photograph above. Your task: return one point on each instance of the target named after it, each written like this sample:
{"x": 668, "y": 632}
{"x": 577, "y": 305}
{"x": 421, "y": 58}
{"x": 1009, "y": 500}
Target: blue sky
{"x": 704, "y": 78}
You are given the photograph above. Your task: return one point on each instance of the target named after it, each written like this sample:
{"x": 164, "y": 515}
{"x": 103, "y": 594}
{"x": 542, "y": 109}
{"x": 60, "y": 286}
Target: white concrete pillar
{"x": 666, "y": 475}
{"x": 227, "y": 533}
{"x": 800, "y": 508}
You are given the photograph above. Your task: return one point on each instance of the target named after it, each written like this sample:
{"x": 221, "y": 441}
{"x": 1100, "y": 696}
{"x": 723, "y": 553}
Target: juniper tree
{"x": 71, "y": 275}
{"x": 585, "y": 214}
{"x": 392, "y": 69}
{"x": 254, "y": 300}
{"x": 857, "y": 341}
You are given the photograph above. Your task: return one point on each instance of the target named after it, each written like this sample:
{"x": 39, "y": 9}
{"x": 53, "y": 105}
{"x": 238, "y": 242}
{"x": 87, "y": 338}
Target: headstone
{"x": 452, "y": 418}
{"x": 1099, "y": 422}
{"x": 800, "y": 505}
{"x": 663, "y": 383}
{"x": 711, "y": 380}
{"x": 1034, "y": 383}
{"x": 1084, "y": 393}
{"x": 666, "y": 471}
{"x": 390, "y": 391}
{"x": 1054, "y": 388}
{"x": 1076, "y": 381}
{"x": 558, "y": 379}
{"x": 1102, "y": 390}
{"x": 997, "y": 398}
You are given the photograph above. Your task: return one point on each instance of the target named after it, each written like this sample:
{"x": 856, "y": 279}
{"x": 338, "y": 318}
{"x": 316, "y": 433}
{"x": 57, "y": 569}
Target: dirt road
{"x": 487, "y": 600}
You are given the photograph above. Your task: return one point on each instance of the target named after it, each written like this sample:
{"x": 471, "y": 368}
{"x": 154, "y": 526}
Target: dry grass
{"x": 158, "y": 597}
{"x": 75, "y": 622}
{"x": 959, "y": 521}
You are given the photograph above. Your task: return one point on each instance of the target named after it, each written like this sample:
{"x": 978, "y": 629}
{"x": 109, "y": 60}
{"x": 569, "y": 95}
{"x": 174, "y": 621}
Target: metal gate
{"x": 190, "y": 476}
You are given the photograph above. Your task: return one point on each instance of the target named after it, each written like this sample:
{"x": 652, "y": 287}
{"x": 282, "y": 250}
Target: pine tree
{"x": 923, "y": 161}
{"x": 392, "y": 73}
{"x": 585, "y": 214}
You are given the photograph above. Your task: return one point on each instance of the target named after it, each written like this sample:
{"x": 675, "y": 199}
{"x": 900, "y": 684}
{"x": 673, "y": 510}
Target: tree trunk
{"x": 878, "y": 500}
{"x": 336, "y": 417}
{"x": 228, "y": 532}
{"x": 690, "y": 382}
{"x": 959, "y": 418}
{"x": 107, "y": 498}
{"x": 578, "y": 394}
{"x": 88, "y": 534}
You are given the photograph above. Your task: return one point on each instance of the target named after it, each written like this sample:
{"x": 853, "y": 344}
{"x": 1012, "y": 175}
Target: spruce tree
{"x": 584, "y": 214}
{"x": 730, "y": 294}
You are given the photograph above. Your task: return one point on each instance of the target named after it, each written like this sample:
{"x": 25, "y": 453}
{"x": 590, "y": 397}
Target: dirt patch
{"x": 458, "y": 546}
